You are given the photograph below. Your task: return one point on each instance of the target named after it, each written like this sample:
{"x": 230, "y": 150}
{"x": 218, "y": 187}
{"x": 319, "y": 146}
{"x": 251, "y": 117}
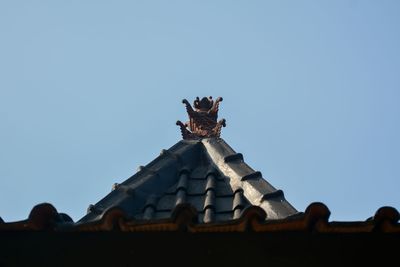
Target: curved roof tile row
{"x": 44, "y": 217}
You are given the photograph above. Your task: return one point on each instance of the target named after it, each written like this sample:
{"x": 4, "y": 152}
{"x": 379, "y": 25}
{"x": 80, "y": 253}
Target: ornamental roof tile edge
{"x": 44, "y": 217}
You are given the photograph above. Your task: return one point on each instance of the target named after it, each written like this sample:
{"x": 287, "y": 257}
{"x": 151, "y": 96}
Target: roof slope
{"x": 206, "y": 174}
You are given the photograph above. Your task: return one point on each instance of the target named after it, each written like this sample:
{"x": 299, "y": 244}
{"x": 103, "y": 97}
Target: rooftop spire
{"x": 202, "y": 119}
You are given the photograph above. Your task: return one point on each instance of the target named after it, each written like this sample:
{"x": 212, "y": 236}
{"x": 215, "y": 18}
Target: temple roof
{"x": 200, "y": 185}
{"x": 206, "y": 174}
{"x": 201, "y": 171}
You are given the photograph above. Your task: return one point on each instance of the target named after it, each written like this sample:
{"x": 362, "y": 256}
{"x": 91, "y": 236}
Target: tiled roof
{"x": 199, "y": 186}
{"x": 206, "y": 174}
{"x": 315, "y": 219}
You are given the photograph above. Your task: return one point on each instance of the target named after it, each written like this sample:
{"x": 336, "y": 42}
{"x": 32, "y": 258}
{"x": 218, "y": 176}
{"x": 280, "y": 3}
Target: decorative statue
{"x": 202, "y": 119}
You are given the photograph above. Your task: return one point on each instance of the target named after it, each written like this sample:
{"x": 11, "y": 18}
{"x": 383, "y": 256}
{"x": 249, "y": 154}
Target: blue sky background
{"x": 90, "y": 90}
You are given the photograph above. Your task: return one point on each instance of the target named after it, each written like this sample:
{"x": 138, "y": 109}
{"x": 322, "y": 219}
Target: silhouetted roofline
{"x": 44, "y": 217}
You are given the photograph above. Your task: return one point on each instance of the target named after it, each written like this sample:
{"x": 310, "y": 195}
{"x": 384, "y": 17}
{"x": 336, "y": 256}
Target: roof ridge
{"x": 232, "y": 165}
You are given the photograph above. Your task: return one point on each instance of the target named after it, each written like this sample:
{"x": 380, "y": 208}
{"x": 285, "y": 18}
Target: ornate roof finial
{"x": 202, "y": 119}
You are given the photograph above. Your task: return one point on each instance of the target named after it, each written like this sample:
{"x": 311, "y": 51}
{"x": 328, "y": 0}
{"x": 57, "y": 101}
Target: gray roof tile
{"x": 207, "y": 174}
{"x": 196, "y": 186}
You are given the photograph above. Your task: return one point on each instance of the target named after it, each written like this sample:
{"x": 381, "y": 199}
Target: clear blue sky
{"x": 89, "y": 90}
